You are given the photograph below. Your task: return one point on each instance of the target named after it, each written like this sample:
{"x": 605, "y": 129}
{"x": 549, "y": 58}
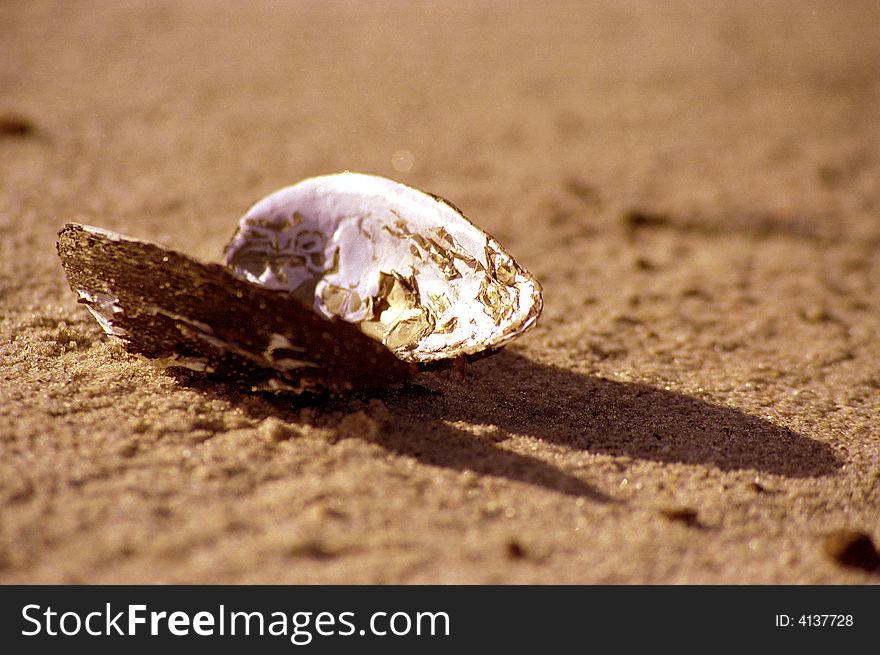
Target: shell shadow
{"x": 428, "y": 439}
{"x": 519, "y": 396}
{"x": 559, "y": 406}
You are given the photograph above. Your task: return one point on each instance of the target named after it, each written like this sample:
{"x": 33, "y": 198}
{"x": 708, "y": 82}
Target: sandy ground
{"x": 695, "y": 185}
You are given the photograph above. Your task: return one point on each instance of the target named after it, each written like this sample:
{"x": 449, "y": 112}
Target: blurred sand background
{"x": 695, "y": 184}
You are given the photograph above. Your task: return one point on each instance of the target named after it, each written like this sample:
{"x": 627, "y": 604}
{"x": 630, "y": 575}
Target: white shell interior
{"x": 405, "y": 266}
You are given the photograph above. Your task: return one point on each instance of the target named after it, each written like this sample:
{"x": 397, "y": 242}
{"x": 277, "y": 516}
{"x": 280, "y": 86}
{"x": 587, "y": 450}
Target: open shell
{"x": 340, "y": 282}
{"x": 406, "y": 267}
{"x": 200, "y": 319}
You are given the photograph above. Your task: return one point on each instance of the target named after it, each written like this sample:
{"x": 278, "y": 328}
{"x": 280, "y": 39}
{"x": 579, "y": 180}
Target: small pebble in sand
{"x": 852, "y": 548}
{"x": 358, "y": 425}
{"x": 581, "y": 190}
{"x": 515, "y": 550}
{"x": 13, "y": 125}
{"x": 686, "y": 515}
{"x": 635, "y": 219}
{"x": 274, "y": 430}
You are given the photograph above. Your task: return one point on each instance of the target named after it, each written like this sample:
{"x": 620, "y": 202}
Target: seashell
{"x": 338, "y": 282}
{"x": 200, "y": 318}
{"x": 406, "y": 267}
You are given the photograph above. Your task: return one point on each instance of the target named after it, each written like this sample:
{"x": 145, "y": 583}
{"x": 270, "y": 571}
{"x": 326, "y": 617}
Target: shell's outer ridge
{"x": 405, "y": 266}
{"x": 182, "y": 313}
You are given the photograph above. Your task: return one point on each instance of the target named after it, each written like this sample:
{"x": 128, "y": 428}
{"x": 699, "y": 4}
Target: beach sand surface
{"x": 695, "y": 184}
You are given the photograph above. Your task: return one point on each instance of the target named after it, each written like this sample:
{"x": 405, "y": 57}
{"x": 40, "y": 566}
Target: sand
{"x": 695, "y": 185}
